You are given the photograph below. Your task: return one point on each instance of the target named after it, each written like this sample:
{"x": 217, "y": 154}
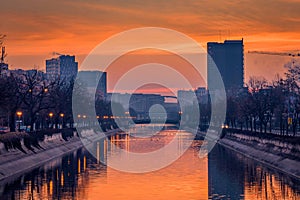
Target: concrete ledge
{"x": 15, "y": 162}
{"x": 29, "y": 162}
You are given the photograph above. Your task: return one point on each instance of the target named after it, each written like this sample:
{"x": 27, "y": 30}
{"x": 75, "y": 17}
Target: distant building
{"x": 122, "y": 99}
{"x": 89, "y": 78}
{"x": 186, "y": 98}
{"x": 64, "y": 68}
{"x": 138, "y": 106}
{"x": 172, "y": 110}
{"x": 229, "y": 59}
{"x": 189, "y": 97}
{"x": 141, "y": 103}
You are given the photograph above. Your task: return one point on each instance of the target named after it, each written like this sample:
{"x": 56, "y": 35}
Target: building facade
{"x": 64, "y": 68}
{"x": 95, "y": 79}
{"x": 229, "y": 60}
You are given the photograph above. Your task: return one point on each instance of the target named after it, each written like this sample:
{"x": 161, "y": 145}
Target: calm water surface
{"x": 223, "y": 174}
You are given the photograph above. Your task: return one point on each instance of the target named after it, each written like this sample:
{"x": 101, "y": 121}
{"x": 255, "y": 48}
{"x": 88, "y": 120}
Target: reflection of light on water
{"x": 62, "y": 179}
{"x": 78, "y": 168}
{"x": 98, "y": 152}
{"x": 187, "y": 178}
{"x": 84, "y": 163}
{"x": 133, "y": 142}
{"x": 51, "y": 187}
{"x": 267, "y": 186}
{"x": 105, "y": 149}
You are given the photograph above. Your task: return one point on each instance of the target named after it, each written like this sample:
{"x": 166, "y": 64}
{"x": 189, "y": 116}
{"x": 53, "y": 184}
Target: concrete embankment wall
{"x": 281, "y": 156}
{"x": 14, "y": 162}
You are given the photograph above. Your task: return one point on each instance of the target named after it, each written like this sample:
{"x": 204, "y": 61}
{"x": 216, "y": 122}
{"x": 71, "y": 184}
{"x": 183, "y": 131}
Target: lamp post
{"x": 62, "y": 119}
{"x": 51, "y": 115}
{"x": 78, "y": 116}
{"x": 19, "y": 114}
{"x": 84, "y": 121}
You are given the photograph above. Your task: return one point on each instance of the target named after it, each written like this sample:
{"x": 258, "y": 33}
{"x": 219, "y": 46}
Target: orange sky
{"x": 35, "y": 28}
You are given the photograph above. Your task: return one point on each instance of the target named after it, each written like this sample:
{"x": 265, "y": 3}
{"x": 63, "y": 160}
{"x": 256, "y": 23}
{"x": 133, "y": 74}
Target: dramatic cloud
{"x": 39, "y": 27}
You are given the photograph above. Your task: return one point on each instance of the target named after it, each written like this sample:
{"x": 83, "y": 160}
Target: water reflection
{"x": 62, "y": 178}
{"x": 222, "y": 175}
{"x": 233, "y": 176}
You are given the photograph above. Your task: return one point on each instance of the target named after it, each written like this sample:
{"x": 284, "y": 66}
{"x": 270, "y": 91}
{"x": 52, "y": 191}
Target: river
{"x": 223, "y": 174}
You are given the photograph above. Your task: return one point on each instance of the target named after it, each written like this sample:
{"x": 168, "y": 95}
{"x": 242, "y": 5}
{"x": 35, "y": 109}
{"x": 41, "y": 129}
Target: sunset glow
{"x": 35, "y": 29}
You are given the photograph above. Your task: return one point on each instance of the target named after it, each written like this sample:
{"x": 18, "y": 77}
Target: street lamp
{"x": 84, "y": 121}
{"x": 51, "y": 115}
{"x": 62, "y": 119}
{"x": 19, "y": 114}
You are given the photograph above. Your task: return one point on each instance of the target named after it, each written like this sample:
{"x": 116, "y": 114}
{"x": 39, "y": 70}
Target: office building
{"x": 229, "y": 59}
{"x": 63, "y": 68}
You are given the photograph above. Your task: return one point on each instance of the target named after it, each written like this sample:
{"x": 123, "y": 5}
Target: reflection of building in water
{"x": 225, "y": 175}
{"x": 260, "y": 184}
{"x": 61, "y": 178}
{"x": 227, "y": 170}
{"x": 121, "y": 141}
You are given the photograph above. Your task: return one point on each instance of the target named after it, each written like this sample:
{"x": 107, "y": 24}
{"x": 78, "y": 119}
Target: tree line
{"x": 264, "y": 106}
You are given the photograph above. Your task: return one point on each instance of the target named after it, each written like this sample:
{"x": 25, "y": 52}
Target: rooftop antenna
{"x": 220, "y": 36}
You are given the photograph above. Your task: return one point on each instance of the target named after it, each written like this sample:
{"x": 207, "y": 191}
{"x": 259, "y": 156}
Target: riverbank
{"x": 279, "y": 155}
{"x": 15, "y": 162}
{"x": 276, "y": 152}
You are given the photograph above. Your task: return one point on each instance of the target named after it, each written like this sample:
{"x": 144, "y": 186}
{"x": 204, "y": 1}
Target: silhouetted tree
{"x": 11, "y": 97}
{"x": 35, "y": 89}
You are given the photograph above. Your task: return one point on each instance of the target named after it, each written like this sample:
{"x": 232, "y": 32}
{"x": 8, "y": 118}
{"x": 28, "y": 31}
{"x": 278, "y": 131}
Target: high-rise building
{"x": 229, "y": 59}
{"x": 89, "y": 78}
{"x": 64, "y": 67}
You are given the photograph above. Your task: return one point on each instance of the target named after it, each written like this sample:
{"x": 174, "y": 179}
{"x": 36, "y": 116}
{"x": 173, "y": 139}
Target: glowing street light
{"x": 62, "y": 119}
{"x": 51, "y": 115}
{"x": 19, "y": 114}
